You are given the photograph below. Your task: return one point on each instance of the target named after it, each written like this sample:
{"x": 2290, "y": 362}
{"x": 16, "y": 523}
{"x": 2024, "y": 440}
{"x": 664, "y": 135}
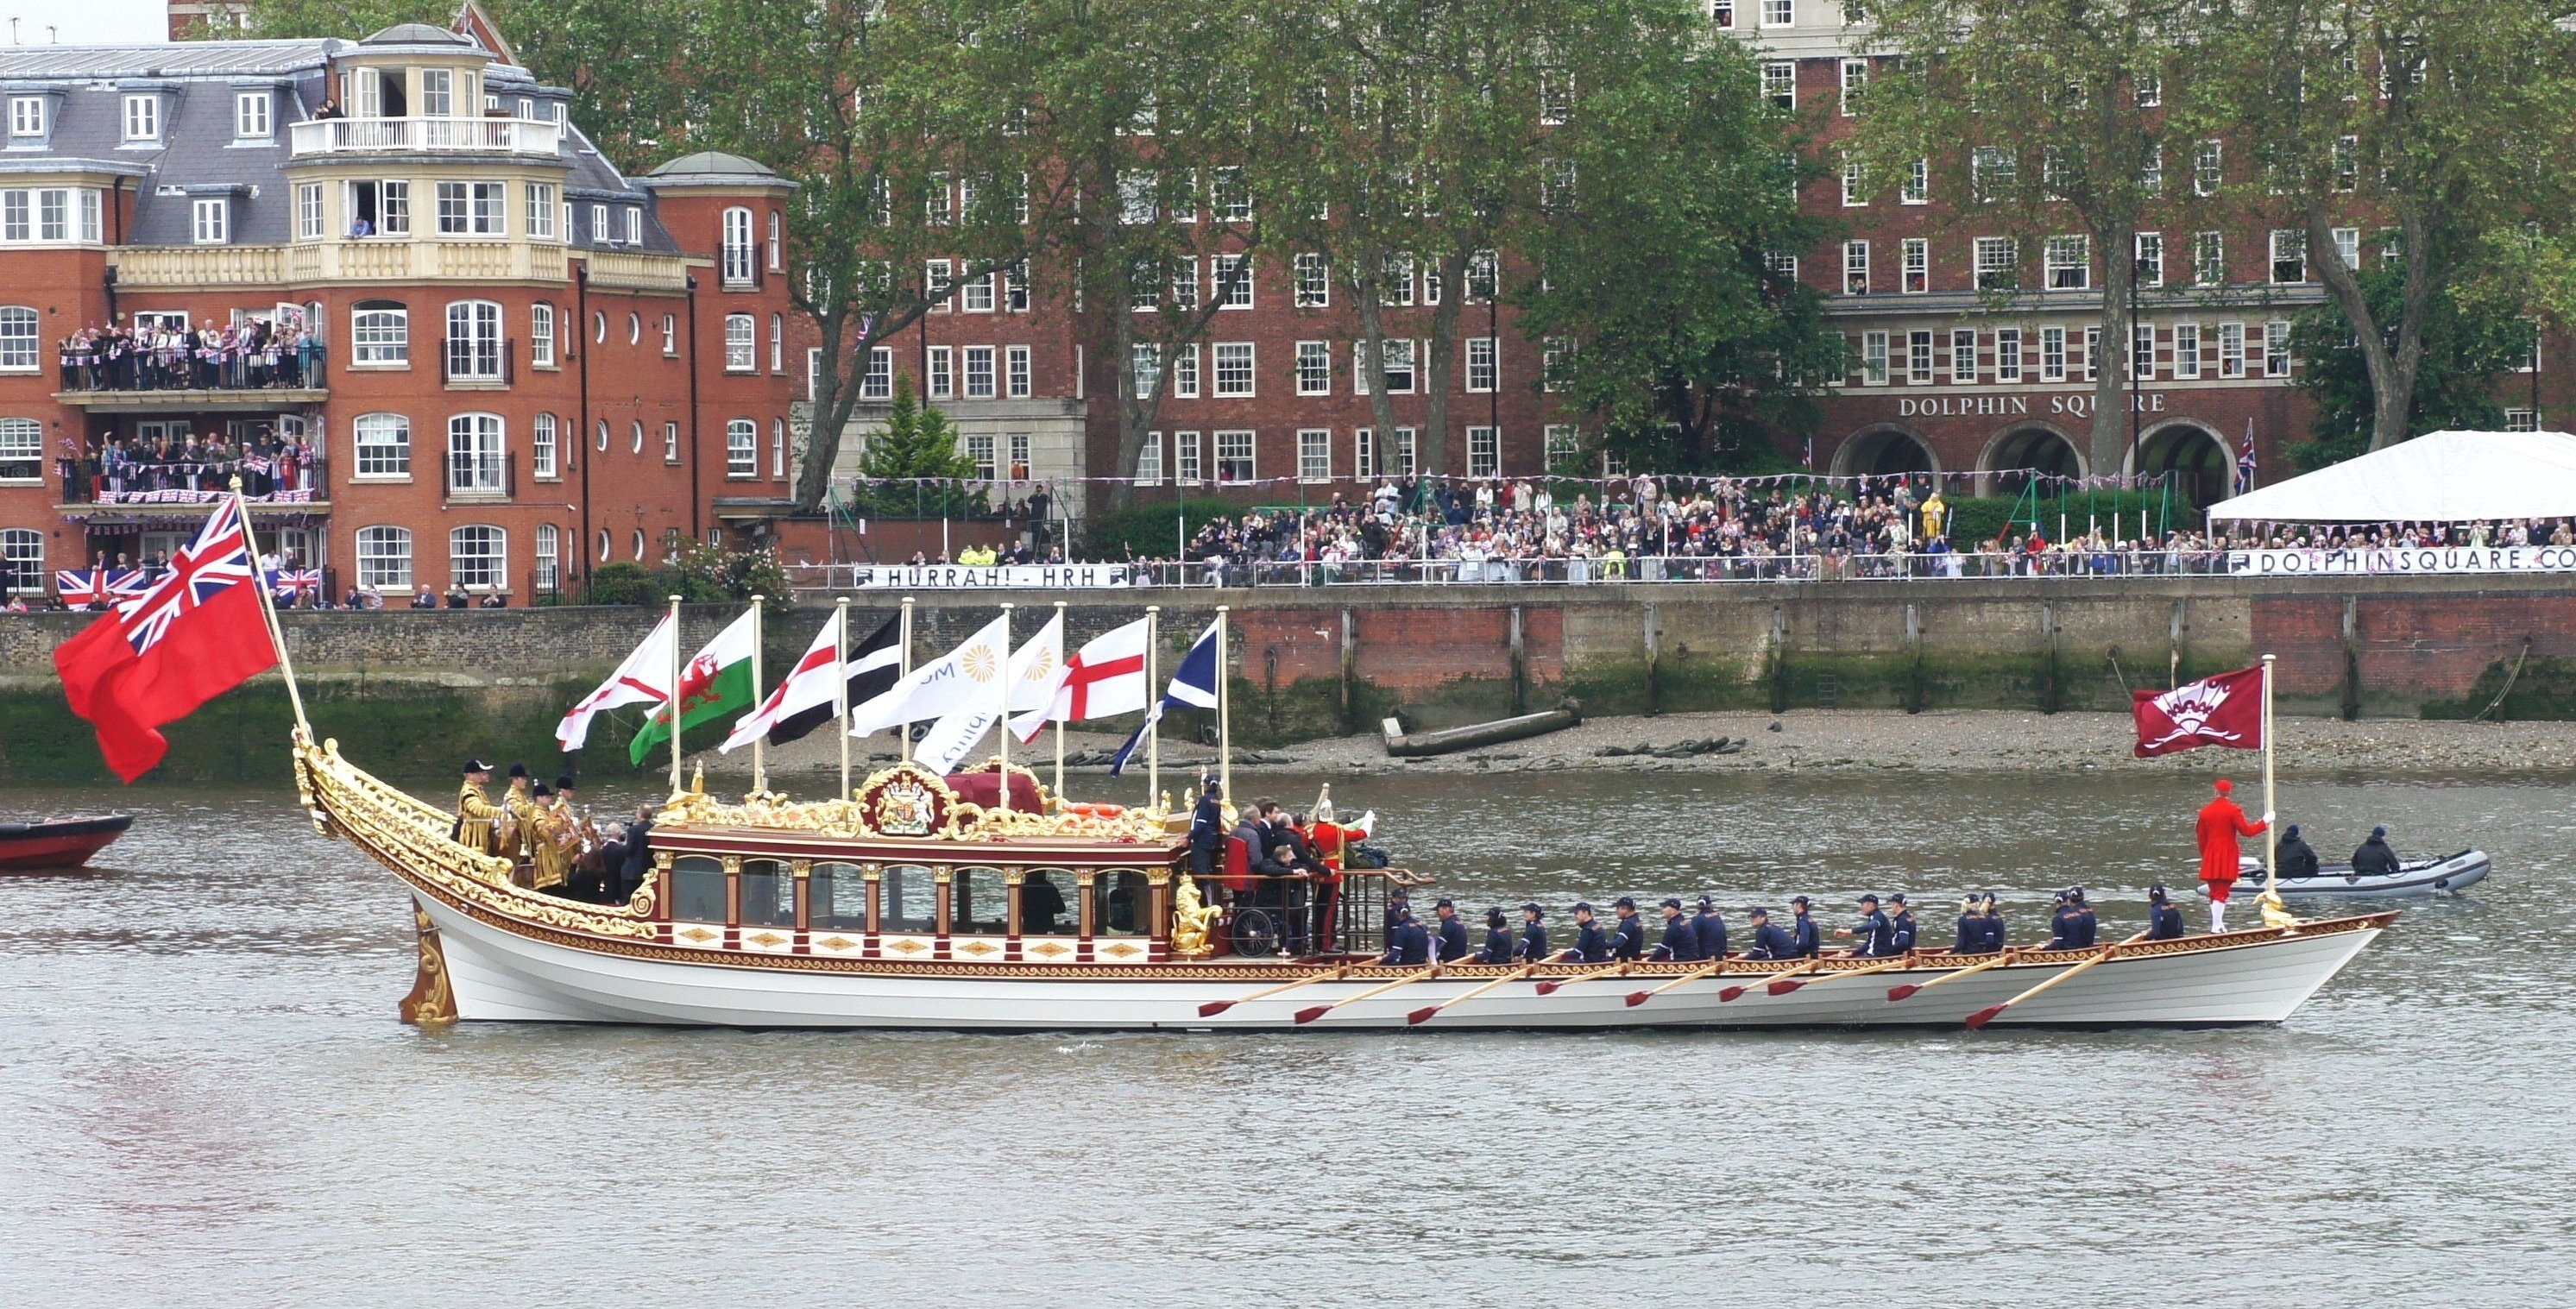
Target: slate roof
{"x": 197, "y": 154}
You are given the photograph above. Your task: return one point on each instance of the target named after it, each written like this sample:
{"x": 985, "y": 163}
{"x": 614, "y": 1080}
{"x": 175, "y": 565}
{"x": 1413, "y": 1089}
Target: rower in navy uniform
{"x": 1994, "y": 924}
{"x": 2084, "y": 914}
{"x": 1901, "y": 934}
{"x": 1207, "y": 833}
{"x": 1769, "y": 942}
{"x": 2164, "y": 920}
{"x": 1533, "y": 942}
{"x": 2066, "y": 926}
{"x": 1591, "y": 944}
{"x": 1712, "y": 929}
{"x": 1453, "y": 932}
{"x": 1629, "y": 944}
{"x": 1972, "y": 927}
{"x": 1498, "y": 938}
{"x": 1870, "y": 935}
{"x": 1681, "y": 936}
{"x": 1407, "y": 944}
{"x": 1803, "y": 934}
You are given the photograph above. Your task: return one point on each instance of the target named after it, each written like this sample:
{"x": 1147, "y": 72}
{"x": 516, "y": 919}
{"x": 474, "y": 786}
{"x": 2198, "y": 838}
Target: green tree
{"x": 2464, "y": 352}
{"x": 2450, "y": 123}
{"x": 2044, "y": 119}
{"x": 1662, "y": 263}
{"x": 914, "y": 468}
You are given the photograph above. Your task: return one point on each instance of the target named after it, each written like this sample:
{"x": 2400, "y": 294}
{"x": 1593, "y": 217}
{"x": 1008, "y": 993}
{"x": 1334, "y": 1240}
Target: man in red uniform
{"x": 2221, "y": 823}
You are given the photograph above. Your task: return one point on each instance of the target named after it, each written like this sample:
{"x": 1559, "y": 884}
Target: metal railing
{"x": 1646, "y": 569}
{"x": 303, "y": 365}
{"x": 266, "y": 479}
{"x": 481, "y": 475}
{"x": 516, "y": 136}
{"x": 479, "y": 359}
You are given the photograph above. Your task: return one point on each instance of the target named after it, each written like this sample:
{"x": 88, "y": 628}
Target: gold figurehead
{"x": 1191, "y": 920}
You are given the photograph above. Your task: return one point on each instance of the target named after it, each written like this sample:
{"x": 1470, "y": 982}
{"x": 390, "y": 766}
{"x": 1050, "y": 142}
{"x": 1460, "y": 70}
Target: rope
{"x": 2509, "y": 679}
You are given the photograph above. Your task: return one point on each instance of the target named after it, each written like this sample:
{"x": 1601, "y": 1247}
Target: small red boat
{"x": 58, "y": 842}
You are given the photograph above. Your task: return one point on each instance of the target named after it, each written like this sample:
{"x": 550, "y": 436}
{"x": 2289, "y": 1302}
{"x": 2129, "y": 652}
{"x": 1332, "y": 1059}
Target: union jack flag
{"x": 81, "y": 587}
{"x": 218, "y": 559}
{"x": 295, "y": 581}
{"x": 2245, "y": 461}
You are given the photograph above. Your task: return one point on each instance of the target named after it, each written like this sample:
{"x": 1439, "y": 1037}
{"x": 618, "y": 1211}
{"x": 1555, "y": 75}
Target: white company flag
{"x": 1106, "y": 676}
{"x": 812, "y": 682}
{"x": 1033, "y": 669}
{"x": 946, "y": 684}
{"x": 645, "y": 678}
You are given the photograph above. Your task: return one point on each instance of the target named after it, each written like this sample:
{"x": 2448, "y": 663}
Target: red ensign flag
{"x": 2225, "y": 710}
{"x": 197, "y": 633}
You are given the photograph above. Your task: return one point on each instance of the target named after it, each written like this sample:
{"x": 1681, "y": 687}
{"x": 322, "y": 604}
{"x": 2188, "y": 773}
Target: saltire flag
{"x": 804, "y": 701}
{"x": 1105, "y": 677}
{"x": 1193, "y": 684}
{"x": 2245, "y": 461}
{"x": 645, "y": 678}
{"x": 2225, "y": 710}
{"x": 938, "y": 688}
{"x": 190, "y": 637}
{"x": 716, "y": 682}
{"x": 1033, "y": 669}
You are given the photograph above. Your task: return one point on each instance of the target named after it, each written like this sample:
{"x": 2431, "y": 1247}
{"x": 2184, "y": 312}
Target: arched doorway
{"x": 2197, "y": 458}
{"x": 2013, "y": 457}
{"x": 1884, "y": 452}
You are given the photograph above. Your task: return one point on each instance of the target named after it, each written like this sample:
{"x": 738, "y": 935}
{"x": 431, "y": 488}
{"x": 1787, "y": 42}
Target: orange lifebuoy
{"x": 1095, "y": 810}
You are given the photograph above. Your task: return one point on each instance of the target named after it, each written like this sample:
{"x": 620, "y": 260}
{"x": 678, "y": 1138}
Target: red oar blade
{"x": 1636, "y": 998}
{"x": 1421, "y": 1015}
{"x": 1214, "y": 1007}
{"x": 1900, "y": 992}
{"x": 1785, "y": 985}
{"x": 1312, "y": 1012}
{"x": 1986, "y": 1015}
{"x": 1728, "y": 995}
{"x": 1548, "y": 988}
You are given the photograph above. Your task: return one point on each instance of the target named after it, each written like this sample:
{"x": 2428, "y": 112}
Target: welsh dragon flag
{"x": 714, "y": 684}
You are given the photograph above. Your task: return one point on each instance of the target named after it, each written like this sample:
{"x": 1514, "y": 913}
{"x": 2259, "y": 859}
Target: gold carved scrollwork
{"x": 432, "y": 1002}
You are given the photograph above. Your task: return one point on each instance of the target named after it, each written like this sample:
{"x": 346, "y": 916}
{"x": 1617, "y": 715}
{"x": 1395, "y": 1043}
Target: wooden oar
{"x": 1423, "y": 1014}
{"x": 2001, "y": 958}
{"x": 1992, "y": 1012}
{"x": 1214, "y": 1007}
{"x": 1636, "y": 998}
{"x": 1313, "y": 1012}
{"x": 1783, "y": 986}
{"x": 1551, "y": 986}
{"x": 1730, "y": 994}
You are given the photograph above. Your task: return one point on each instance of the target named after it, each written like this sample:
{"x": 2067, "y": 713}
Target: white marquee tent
{"x": 2439, "y": 477}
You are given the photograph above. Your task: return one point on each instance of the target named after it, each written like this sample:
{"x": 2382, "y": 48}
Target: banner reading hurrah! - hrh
{"x": 2396, "y": 560}
{"x": 1001, "y": 577}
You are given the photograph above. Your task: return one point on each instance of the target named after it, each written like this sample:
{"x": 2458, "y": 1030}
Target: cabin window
{"x": 836, "y": 897}
{"x": 910, "y": 899}
{"x": 1122, "y": 898}
{"x": 1048, "y": 903}
{"x": 697, "y": 889}
{"x": 768, "y": 894}
{"x": 979, "y": 903}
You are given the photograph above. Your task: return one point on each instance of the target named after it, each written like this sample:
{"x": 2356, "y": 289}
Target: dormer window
{"x": 142, "y": 118}
{"x": 251, "y": 116}
{"x": 211, "y": 220}
{"x": 634, "y": 225}
{"x": 26, "y": 116}
{"x": 437, "y": 93}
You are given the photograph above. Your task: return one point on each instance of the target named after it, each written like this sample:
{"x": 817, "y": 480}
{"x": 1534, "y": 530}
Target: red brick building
{"x": 522, "y": 364}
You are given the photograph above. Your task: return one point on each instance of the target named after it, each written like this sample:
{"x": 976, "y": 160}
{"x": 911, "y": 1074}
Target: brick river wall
{"x": 1309, "y": 661}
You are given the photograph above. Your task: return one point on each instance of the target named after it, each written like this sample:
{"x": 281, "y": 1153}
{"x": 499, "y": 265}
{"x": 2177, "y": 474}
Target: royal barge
{"x": 904, "y": 906}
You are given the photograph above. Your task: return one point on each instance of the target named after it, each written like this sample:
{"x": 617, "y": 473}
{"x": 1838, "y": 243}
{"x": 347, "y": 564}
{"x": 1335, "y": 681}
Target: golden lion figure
{"x": 1191, "y": 921}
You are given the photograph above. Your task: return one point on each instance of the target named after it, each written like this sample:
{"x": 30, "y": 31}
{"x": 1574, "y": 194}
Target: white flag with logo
{"x": 1035, "y": 666}
{"x": 1033, "y": 671}
{"x": 953, "y": 681}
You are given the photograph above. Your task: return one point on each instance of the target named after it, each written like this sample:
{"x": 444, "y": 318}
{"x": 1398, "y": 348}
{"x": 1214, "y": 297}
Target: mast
{"x": 903, "y": 667}
{"x": 1068, "y": 708}
{"x": 1002, "y": 681}
{"x": 1224, "y": 719}
{"x": 268, "y": 610}
{"x": 671, "y": 702}
{"x": 2271, "y": 834}
{"x": 759, "y": 764}
{"x": 841, "y": 684}
{"x": 1153, "y": 733}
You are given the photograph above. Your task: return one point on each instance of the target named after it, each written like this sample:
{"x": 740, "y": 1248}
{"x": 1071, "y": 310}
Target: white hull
{"x": 2414, "y": 877}
{"x": 502, "y": 974}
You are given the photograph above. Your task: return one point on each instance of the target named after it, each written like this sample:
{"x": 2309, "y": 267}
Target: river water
{"x": 205, "y": 1099}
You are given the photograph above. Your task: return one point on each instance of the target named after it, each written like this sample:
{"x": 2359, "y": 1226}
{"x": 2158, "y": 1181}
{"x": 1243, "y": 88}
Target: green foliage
{"x": 702, "y": 574}
{"x": 623, "y": 583}
{"x": 1146, "y": 530}
{"x": 1977, "y": 520}
{"x": 2467, "y": 350}
{"x": 918, "y": 442}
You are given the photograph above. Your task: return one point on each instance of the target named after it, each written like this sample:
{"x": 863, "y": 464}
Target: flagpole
{"x": 671, "y": 702}
{"x": 903, "y": 667}
{"x": 1224, "y": 719}
{"x": 268, "y": 610}
{"x": 1153, "y": 693}
{"x": 1068, "y": 708}
{"x": 2271, "y": 834}
{"x": 841, "y": 684}
{"x": 1003, "y": 680}
{"x": 761, "y": 769}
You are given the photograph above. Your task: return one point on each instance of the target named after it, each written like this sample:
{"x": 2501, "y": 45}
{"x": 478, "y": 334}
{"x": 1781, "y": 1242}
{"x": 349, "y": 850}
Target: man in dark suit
{"x": 626, "y": 859}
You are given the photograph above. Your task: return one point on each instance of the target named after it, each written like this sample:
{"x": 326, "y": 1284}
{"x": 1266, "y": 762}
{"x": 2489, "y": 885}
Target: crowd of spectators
{"x": 187, "y": 466}
{"x": 250, "y": 355}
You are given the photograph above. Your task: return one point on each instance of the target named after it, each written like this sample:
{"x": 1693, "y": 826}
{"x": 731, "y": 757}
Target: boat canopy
{"x": 2439, "y": 477}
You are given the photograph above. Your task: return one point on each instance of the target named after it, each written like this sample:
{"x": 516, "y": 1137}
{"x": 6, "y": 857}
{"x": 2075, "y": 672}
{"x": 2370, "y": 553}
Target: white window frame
{"x": 1855, "y": 267}
{"x": 1233, "y": 369}
{"x": 2052, "y": 354}
{"x": 1855, "y": 83}
{"x": 543, "y": 209}
{"x": 1237, "y": 296}
{"x": 1484, "y": 364}
{"x": 253, "y": 116}
{"x": 2208, "y": 259}
{"x": 741, "y": 343}
{"x": 22, "y": 447}
{"x": 384, "y": 557}
{"x": 210, "y": 220}
{"x": 484, "y": 570}
{"x": 2186, "y": 352}
{"x": 2068, "y": 263}
{"x": 2289, "y": 245}
{"x": 545, "y": 446}
{"x": 1237, "y": 457}
{"x": 1998, "y": 262}
{"x": 1314, "y": 368}
{"x": 1188, "y": 458}
{"x": 1964, "y": 374}
{"x": 27, "y": 116}
{"x": 380, "y": 448}
{"x": 2150, "y": 257}
{"x": 142, "y": 118}
{"x": 742, "y": 449}
{"x": 981, "y": 380}
{"x": 942, "y": 384}
{"x": 1918, "y": 359}
{"x": 2007, "y": 355}
{"x": 1559, "y": 443}
{"x": 309, "y": 218}
{"x": 2276, "y": 348}
{"x": 1484, "y": 451}
{"x": 1016, "y": 380}
{"x": 2231, "y": 350}
{"x": 878, "y": 382}
{"x": 541, "y": 334}
{"x": 1314, "y": 454}
{"x": 1780, "y": 83}
{"x": 1149, "y": 460}
{"x": 1916, "y": 256}
{"x": 1873, "y": 362}
{"x": 734, "y": 247}
{"x": 1917, "y": 187}
{"x": 476, "y": 348}
{"x": 379, "y": 337}
{"x": 1185, "y": 372}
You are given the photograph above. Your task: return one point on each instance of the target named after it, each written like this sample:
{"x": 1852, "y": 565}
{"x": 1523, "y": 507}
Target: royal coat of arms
{"x": 905, "y": 800}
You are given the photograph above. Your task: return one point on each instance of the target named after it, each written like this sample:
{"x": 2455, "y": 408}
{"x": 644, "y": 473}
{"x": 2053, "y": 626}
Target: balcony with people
{"x": 171, "y": 463}
{"x": 164, "y": 364}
